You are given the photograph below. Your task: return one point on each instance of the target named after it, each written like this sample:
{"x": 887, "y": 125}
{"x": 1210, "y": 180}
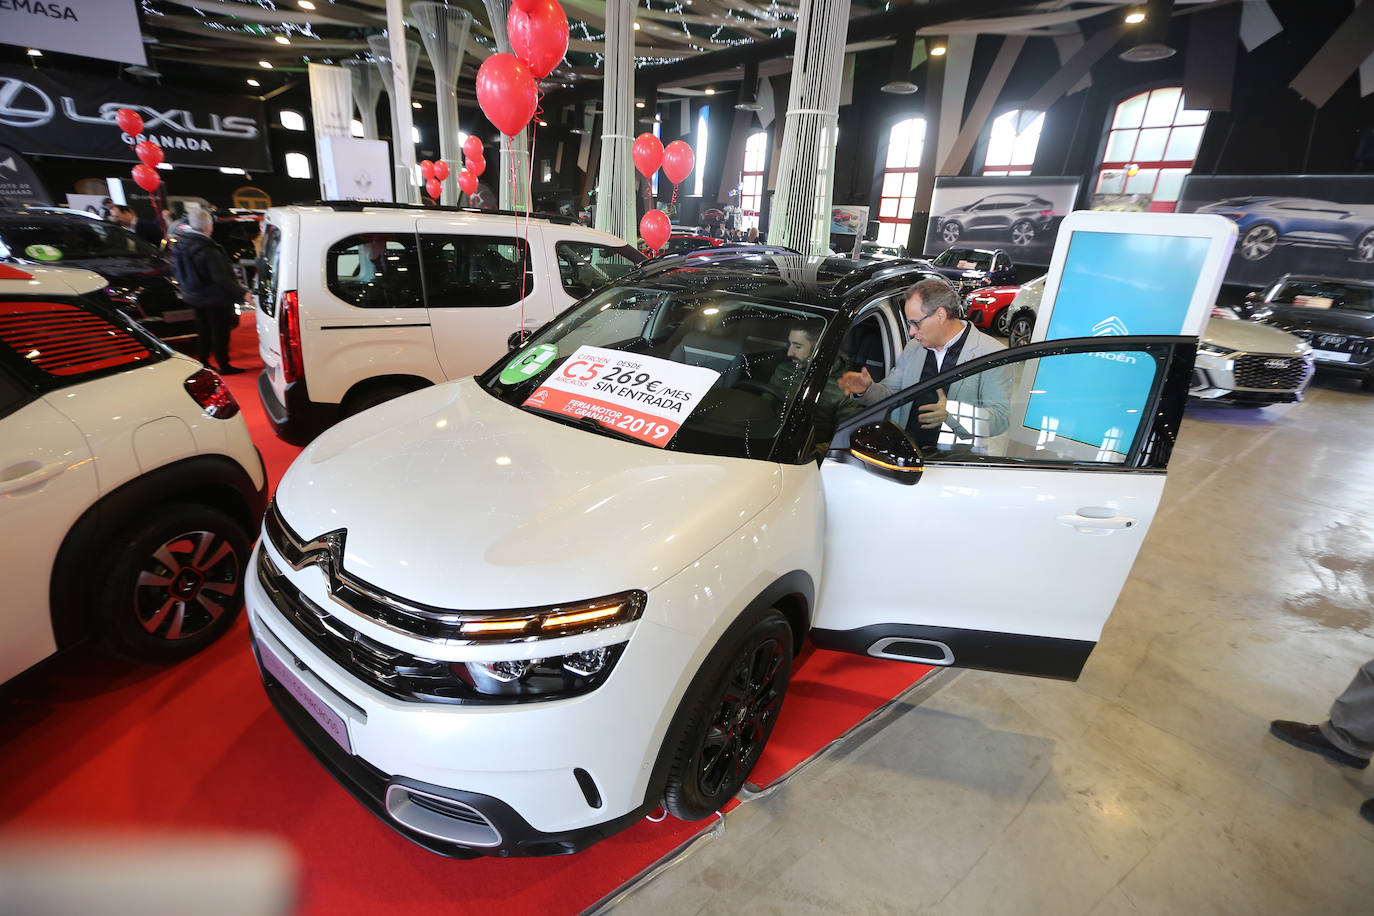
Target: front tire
{"x": 1022, "y": 232}
{"x": 1019, "y": 329}
{"x": 1258, "y": 242}
{"x": 1364, "y": 247}
{"x": 951, "y": 232}
{"x": 1002, "y": 323}
{"x": 732, "y": 713}
{"x": 172, "y": 585}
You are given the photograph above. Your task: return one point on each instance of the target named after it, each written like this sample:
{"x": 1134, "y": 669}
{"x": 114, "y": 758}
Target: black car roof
{"x": 772, "y": 273}
{"x": 1346, "y": 281}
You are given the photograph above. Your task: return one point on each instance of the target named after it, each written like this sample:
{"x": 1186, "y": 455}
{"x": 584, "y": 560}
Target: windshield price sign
{"x": 642, "y": 396}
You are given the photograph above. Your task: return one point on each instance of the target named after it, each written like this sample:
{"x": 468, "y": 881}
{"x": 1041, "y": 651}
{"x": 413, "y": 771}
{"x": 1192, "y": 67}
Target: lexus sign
{"x": 55, "y": 114}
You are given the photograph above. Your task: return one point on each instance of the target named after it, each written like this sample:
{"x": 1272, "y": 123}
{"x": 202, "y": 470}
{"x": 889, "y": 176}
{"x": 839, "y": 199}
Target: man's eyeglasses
{"x": 917, "y": 323}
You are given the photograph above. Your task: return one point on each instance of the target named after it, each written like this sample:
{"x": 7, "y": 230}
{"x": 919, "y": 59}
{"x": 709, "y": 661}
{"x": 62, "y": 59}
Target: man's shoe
{"x": 1367, "y": 811}
{"x": 1310, "y": 738}
{"x": 231, "y": 370}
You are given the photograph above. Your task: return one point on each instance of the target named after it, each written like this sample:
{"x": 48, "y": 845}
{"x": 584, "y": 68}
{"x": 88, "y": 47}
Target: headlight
{"x": 1212, "y": 349}
{"x": 540, "y": 678}
{"x": 554, "y": 621}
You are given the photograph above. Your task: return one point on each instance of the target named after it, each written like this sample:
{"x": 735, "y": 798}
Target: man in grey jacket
{"x": 940, "y": 340}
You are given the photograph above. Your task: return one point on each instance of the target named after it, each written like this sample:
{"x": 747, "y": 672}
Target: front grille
{"x": 1271, "y": 373}
{"x": 1359, "y": 348}
{"x": 393, "y": 672}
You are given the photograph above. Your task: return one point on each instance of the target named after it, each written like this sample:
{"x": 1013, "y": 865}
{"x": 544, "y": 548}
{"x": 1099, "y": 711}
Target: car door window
{"x": 1085, "y": 405}
{"x": 584, "y": 267}
{"x": 377, "y": 270}
{"x": 475, "y": 271}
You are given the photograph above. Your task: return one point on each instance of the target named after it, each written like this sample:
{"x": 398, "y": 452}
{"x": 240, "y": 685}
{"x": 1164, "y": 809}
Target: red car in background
{"x": 987, "y": 308}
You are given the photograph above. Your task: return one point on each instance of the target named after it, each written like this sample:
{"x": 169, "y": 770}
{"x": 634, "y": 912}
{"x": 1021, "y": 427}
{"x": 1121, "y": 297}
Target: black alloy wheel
{"x": 1019, "y": 329}
{"x": 733, "y": 713}
{"x": 1364, "y": 247}
{"x": 1002, "y": 323}
{"x": 173, "y": 585}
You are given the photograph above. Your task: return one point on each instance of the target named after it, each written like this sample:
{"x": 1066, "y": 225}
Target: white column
{"x": 444, "y": 30}
{"x": 403, "y": 147}
{"x": 615, "y": 186}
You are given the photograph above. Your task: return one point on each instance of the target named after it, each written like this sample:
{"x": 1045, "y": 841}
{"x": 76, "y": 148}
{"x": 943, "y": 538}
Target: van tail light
{"x": 289, "y": 323}
{"x": 208, "y": 390}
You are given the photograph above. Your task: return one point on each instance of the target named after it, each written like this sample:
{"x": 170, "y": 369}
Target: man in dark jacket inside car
{"x": 207, "y": 285}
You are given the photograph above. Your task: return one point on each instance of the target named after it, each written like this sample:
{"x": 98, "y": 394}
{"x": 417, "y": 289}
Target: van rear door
{"x": 277, "y": 230}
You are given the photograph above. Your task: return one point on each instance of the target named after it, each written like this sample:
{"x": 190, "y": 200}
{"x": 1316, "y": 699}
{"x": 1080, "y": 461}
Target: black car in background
{"x": 237, "y": 233}
{"x": 1020, "y": 218}
{"x": 974, "y": 268}
{"x": 139, "y": 277}
{"x": 1335, "y": 316}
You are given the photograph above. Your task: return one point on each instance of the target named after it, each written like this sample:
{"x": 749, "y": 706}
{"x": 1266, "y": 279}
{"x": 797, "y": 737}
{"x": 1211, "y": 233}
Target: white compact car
{"x": 128, "y": 482}
{"x": 358, "y": 303}
{"x": 514, "y": 613}
{"x": 1239, "y": 363}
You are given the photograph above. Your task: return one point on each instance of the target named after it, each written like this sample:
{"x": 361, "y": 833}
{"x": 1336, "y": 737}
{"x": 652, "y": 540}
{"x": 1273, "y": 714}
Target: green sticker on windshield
{"x": 43, "y": 253}
{"x": 530, "y": 364}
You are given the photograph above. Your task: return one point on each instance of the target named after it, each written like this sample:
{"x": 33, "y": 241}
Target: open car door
{"x": 1005, "y": 545}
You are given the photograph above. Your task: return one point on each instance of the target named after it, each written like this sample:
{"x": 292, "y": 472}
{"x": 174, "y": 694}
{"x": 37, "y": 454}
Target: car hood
{"x": 455, "y": 499}
{"x": 1251, "y": 338}
{"x": 1307, "y": 318}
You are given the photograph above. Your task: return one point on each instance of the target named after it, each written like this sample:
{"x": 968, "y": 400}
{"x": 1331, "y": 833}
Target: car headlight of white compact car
{"x": 524, "y": 676}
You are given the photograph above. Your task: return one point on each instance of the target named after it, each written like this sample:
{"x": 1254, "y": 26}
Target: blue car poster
{"x": 1321, "y": 225}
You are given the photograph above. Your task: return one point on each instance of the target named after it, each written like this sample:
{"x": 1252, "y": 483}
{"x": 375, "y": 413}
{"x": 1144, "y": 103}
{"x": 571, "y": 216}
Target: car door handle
{"x": 1095, "y": 522}
{"x": 27, "y": 474}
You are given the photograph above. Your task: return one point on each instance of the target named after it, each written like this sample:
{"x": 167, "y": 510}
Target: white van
{"x": 359, "y": 303}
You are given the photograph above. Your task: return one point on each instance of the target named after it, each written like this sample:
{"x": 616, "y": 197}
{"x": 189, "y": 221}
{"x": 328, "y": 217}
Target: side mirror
{"x": 517, "y": 339}
{"x": 883, "y": 449}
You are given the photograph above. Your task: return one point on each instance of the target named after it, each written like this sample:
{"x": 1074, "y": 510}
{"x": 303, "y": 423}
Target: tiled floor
{"x": 1150, "y": 785}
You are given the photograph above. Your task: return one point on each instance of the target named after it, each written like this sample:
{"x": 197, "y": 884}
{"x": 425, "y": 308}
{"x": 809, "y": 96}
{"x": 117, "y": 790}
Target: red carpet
{"x": 93, "y": 744}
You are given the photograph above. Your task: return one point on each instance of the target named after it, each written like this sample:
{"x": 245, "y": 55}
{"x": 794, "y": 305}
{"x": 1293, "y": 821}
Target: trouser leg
{"x": 220, "y": 321}
{"x": 204, "y": 334}
{"x": 1351, "y": 726}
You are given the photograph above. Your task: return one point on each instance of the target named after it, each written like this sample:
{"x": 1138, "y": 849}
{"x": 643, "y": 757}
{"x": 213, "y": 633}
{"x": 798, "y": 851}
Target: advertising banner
{"x": 642, "y": 396}
{"x": 18, "y": 183}
{"x": 1020, "y": 214}
{"x": 60, "y": 114}
{"x": 331, "y": 110}
{"x": 106, "y": 29}
{"x": 1309, "y": 224}
{"x": 355, "y": 169}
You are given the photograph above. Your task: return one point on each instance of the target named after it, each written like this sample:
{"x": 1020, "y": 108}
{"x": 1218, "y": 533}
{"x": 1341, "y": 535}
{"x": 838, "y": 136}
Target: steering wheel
{"x": 754, "y": 385}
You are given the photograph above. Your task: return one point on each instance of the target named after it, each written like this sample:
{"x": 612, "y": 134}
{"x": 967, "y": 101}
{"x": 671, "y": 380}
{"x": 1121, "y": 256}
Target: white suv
{"x": 128, "y": 482}
{"x": 359, "y": 303}
{"x": 514, "y": 613}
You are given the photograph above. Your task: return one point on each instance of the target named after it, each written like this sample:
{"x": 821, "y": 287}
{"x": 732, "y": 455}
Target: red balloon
{"x": 472, "y": 146}
{"x": 648, "y": 154}
{"x": 468, "y": 182}
{"x": 507, "y": 93}
{"x": 149, "y": 153}
{"x": 538, "y": 35}
{"x": 426, "y": 169}
{"x": 146, "y": 177}
{"x": 476, "y": 165}
{"x": 678, "y": 161}
{"x": 129, "y": 121}
{"x": 654, "y": 228}
{"x": 441, "y": 170}
{"x": 434, "y": 187}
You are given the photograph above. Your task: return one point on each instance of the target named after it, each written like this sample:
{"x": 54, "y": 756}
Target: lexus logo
{"x": 1110, "y": 327}
{"x": 24, "y": 104}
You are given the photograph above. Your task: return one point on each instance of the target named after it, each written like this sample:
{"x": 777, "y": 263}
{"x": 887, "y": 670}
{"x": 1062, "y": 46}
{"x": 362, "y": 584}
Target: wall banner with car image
{"x": 1308, "y": 224}
{"x": 1018, "y": 214}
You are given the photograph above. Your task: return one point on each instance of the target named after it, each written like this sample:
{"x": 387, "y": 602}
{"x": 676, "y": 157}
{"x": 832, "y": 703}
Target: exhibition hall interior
{"x": 686, "y": 457}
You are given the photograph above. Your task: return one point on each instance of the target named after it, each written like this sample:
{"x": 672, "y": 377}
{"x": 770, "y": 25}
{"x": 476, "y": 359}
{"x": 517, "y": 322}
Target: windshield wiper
{"x": 591, "y": 423}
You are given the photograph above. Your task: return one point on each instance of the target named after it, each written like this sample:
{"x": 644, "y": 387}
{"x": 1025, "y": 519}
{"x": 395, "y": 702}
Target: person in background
{"x": 106, "y": 210}
{"x": 145, "y": 229}
{"x": 753, "y": 237}
{"x": 206, "y": 278}
{"x": 1347, "y": 736}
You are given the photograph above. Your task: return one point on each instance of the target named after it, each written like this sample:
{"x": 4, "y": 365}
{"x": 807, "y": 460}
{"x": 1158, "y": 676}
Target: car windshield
{"x": 965, "y": 259}
{"x": 709, "y": 371}
{"x": 1324, "y": 294}
{"x": 54, "y": 241}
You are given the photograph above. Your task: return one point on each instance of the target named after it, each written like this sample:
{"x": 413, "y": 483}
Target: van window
{"x": 267, "y": 270}
{"x": 585, "y": 267}
{"x": 474, "y": 270}
{"x": 375, "y": 270}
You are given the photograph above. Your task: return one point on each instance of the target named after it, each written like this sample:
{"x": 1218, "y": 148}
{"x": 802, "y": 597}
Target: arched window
{"x": 297, "y": 165}
{"x": 1151, "y": 144}
{"x": 897, "y": 199}
{"x": 703, "y": 138}
{"x": 291, "y": 120}
{"x": 1012, "y": 142}
{"x": 751, "y": 181}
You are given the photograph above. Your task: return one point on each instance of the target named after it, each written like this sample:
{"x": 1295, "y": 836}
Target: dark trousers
{"x": 212, "y": 334}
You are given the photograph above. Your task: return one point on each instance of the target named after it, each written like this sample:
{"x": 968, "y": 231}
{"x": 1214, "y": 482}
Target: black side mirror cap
{"x": 884, "y": 449}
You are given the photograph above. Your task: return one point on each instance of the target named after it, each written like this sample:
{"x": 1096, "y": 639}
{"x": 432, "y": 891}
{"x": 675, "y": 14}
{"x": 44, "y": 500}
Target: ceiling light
{"x": 710, "y": 91}
{"x": 229, "y": 170}
{"x": 636, "y": 26}
{"x": 1135, "y": 18}
{"x": 34, "y": 52}
{"x": 937, "y": 51}
{"x": 414, "y": 104}
{"x": 1147, "y": 52}
{"x": 899, "y": 87}
{"x": 265, "y": 64}
{"x": 253, "y": 82}
{"x": 543, "y": 123}
{"x": 305, "y": 4}
{"x": 282, "y": 40}
{"x": 639, "y": 104}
